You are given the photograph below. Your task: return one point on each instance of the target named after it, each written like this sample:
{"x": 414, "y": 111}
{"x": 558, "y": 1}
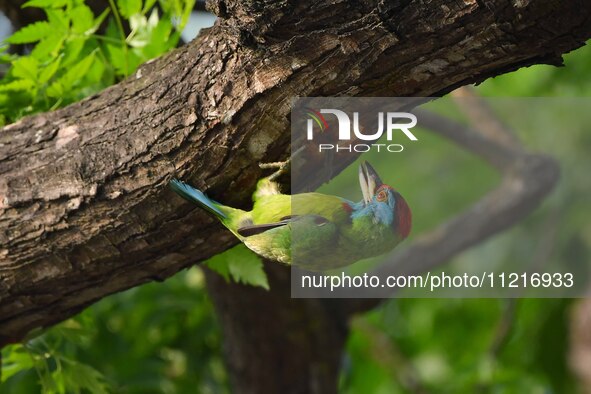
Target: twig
{"x": 482, "y": 117}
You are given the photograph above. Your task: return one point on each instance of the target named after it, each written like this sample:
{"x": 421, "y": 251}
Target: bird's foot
{"x": 281, "y": 168}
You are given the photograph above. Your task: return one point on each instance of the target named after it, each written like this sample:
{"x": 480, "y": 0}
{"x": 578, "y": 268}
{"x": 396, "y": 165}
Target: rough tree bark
{"x": 84, "y": 211}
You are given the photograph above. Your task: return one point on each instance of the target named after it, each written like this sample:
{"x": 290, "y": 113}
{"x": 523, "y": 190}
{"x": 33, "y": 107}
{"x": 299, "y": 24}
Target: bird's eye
{"x": 382, "y": 196}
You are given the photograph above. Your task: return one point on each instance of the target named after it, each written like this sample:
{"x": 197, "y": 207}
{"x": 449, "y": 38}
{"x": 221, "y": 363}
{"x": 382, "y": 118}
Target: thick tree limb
{"x": 302, "y": 338}
{"x": 84, "y": 211}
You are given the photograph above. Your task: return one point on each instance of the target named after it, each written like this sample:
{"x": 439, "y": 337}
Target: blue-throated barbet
{"x": 312, "y": 230}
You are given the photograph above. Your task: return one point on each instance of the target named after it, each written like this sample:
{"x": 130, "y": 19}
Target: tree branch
{"x": 527, "y": 179}
{"x": 84, "y": 211}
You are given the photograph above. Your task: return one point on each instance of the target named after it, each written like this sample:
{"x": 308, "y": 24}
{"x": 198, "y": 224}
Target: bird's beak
{"x": 369, "y": 180}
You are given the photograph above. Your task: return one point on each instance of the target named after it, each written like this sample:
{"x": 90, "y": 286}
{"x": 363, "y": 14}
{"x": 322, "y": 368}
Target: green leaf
{"x": 148, "y": 4}
{"x": 19, "y": 84}
{"x": 249, "y": 271}
{"x": 55, "y": 90}
{"x": 48, "y": 47}
{"x": 160, "y": 39}
{"x": 54, "y": 382}
{"x": 49, "y": 71}
{"x": 83, "y": 20}
{"x": 25, "y": 67}
{"x": 72, "y": 331}
{"x": 46, "y": 3}
{"x": 242, "y": 265}
{"x": 219, "y": 264}
{"x": 116, "y": 57}
{"x": 72, "y": 50}
{"x": 127, "y": 8}
{"x": 75, "y": 74}
{"x": 14, "y": 360}
{"x": 96, "y": 73}
{"x": 31, "y": 33}
{"x": 78, "y": 377}
{"x": 59, "y": 20}
{"x": 112, "y": 31}
{"x": 246, "y": 267}
{"x": 99, "y": 20}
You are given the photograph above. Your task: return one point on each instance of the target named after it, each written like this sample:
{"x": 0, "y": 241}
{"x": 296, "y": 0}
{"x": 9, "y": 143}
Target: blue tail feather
{"x": 191, "y": 194}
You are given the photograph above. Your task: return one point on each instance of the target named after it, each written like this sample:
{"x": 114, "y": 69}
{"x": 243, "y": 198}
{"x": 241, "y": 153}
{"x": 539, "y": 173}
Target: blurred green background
{"x": 164, "y": 337}
{"x": 440, "y": 179}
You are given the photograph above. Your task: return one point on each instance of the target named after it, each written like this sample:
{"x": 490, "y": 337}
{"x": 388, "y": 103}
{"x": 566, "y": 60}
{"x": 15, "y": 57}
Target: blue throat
{"x": 382, "y": 212}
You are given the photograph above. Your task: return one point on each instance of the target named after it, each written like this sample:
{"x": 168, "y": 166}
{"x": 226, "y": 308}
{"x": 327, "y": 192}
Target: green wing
{"x": 301, "y": 238}
{"x": 272, "y": 208}
{"x": 302, "y": 229}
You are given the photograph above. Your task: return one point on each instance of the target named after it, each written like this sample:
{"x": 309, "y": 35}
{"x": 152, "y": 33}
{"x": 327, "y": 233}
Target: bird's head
{"x": 386, "y": 205}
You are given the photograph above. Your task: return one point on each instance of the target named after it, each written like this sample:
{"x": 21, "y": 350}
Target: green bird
{"x": 312, "y": 230}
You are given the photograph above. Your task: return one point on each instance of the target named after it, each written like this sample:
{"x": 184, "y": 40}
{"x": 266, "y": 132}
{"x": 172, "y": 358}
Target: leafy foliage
{"x": 47, "y": 356}
{"x": 241, "y": 265}
{"x": 158, "y": 338}
{"x": 70, "y": 59}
